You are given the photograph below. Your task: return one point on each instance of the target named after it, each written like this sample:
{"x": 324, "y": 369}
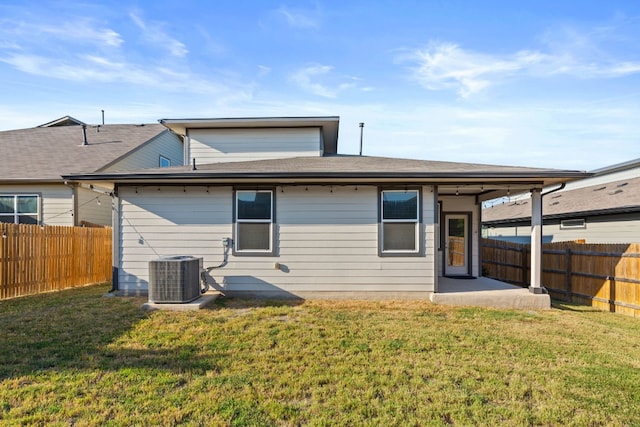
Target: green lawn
{"x": 75, "y": 358}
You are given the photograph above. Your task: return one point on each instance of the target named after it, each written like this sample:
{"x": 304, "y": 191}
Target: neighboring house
{"x": 32, "y": 190}
{"x": 273, "y": 209}
{"x": 604, "y": 208}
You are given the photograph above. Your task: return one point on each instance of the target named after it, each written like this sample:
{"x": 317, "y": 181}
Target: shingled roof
{"x": 46, "y": 153}
{"x": 612, "y": 197}
{"x": 342, "y": 167}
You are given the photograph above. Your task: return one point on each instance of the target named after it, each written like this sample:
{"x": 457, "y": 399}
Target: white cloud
{"x": 448, "y": 66}
{"x": 300, "y": 19}
{"x": 309, "y": 79}
{"x": 443, "y": 65}
{"x": 153, "y": 32}
{"x": 79, "y": 30}
{"x": 93, "y": 68}
{"x": 263, "y": 70}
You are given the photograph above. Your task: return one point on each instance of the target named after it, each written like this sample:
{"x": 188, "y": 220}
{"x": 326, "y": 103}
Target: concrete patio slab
{"x": 194, "y": 305}
{"x": 485, "y": 292}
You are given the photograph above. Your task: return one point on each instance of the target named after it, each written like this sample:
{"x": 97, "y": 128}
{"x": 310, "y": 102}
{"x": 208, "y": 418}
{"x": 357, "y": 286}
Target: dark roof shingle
{"x": 621, "y": 195}
{"x": 46, "y": 153}
{"x": 340, "y": 166}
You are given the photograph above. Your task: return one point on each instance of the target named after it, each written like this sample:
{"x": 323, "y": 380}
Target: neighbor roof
{"x": 612, "y": 197}
{"x": 63, "y": 121}
{"x": 46, "y": 153}
{"x": 344, "y": 167}
{"x": 328, "y": 124}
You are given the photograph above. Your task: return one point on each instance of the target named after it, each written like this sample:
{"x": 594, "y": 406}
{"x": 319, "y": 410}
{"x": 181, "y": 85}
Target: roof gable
{"x": 63, "y": 121}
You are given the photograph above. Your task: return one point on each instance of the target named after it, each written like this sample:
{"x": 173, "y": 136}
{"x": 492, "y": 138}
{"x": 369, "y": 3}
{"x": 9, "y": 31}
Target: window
{"x": 399, "y": 221}
{"x": 19, "y": 208}
{"x": 254, "y": 222}
{"x": 164, "y": 162}
{"x": 573, "y": 223}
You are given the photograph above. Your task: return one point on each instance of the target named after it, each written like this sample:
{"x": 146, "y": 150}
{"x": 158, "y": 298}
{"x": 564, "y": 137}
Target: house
{"x": 603, "y": 208}
{"x": 273, "y": 209}
{"x": 32, "y": 190}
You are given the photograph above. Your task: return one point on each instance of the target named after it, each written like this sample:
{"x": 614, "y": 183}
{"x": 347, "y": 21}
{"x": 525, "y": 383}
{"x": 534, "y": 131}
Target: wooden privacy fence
{"x": 36, "y": 259}
{"x": 606, "y": 276}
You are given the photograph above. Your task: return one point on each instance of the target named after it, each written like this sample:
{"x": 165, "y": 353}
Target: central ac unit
{"x": 174, "y": 279}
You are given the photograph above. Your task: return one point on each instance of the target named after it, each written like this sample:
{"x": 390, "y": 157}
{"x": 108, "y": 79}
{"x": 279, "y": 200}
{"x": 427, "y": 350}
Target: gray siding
{"x": 232, "y": 145}
{"x": 94, "y": 207}
{"x": 623, "y": 228}
{"x": 327, "y": 241}
{"x": 148, "y": 155}
{"x": 56, "y": 201}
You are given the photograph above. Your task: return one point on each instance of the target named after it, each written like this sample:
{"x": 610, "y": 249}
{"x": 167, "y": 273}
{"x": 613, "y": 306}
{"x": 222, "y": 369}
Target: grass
{"x": 75, "y": 358}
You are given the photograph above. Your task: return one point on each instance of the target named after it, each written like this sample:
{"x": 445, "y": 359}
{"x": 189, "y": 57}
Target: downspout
{"x": 564, "y": 184}
{"x": 74, "y": 201}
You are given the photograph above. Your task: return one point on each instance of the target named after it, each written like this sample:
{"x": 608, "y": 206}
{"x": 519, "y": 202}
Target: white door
{"x": 456, "y": 245}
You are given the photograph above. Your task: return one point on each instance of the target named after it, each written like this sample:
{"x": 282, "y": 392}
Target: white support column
{"x": 115, "y": 239}
{"x": 536, "y": 242}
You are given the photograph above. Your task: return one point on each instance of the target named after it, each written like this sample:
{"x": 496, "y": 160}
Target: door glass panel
{"x": 456, "y": 239}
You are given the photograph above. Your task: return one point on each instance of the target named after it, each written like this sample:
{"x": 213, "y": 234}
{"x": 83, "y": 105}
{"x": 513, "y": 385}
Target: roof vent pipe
{"x": 84, "y": 135}
{"x": 102, "y": 117}
{"x": 361, "y": 132}
{"x": 193, "y": 166}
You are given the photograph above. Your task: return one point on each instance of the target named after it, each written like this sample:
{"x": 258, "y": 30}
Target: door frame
{"x": 443, "y": 232}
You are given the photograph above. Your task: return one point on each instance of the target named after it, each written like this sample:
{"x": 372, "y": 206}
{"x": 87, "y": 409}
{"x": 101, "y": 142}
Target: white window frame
{"x": 237, "y": 221}
{"x": 15, "y": 214}
{"x": 415, "y": 221}
{"x": 564, "y": 226}
{"x": 168, "y": 160}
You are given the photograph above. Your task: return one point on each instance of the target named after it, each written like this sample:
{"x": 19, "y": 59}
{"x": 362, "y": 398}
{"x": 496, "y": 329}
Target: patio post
{"x": 536, "y": 242}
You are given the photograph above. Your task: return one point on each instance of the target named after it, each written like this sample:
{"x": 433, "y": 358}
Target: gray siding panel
{"x": 94, "y": 207}
{"x": 232, "y": 145}
{"x": 326, "y": 240}
{"x": 623, "y": 228}
{"x": 148, "y": 155}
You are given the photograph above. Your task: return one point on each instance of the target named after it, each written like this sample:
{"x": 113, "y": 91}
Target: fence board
{"x": 606, "y": 276}
{"x": 36, "y": 259}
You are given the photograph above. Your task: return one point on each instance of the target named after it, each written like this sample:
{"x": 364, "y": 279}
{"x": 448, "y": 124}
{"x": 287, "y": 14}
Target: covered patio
{"x": 486, "y": 292}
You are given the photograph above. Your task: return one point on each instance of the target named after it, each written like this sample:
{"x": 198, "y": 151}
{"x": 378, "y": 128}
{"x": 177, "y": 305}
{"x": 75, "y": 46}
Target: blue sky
{"x": 538, "y": 83}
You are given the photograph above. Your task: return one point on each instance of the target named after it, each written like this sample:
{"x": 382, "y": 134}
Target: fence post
{"x": 567, "y": 274}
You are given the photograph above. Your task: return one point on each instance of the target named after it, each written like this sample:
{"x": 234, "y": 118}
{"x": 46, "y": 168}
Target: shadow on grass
{"x": 575, "y": 307}
{"x": 72, "y": 329}
{"x": 245, "y": 303}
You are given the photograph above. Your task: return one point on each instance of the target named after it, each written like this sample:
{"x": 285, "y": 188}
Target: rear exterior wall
{"x": 326, "y": 241}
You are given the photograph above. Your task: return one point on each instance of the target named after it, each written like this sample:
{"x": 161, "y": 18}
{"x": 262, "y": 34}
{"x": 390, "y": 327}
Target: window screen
{"x": 254, "y": 221}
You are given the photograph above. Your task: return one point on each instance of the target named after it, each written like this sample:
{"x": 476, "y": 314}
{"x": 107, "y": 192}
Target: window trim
{"x": 419, "y": 232}
{"x": 573, "y": 227}
{"x": 272, "y": 224}
{"x": 15, "y": 214}
{"x": 161, "y": 158}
